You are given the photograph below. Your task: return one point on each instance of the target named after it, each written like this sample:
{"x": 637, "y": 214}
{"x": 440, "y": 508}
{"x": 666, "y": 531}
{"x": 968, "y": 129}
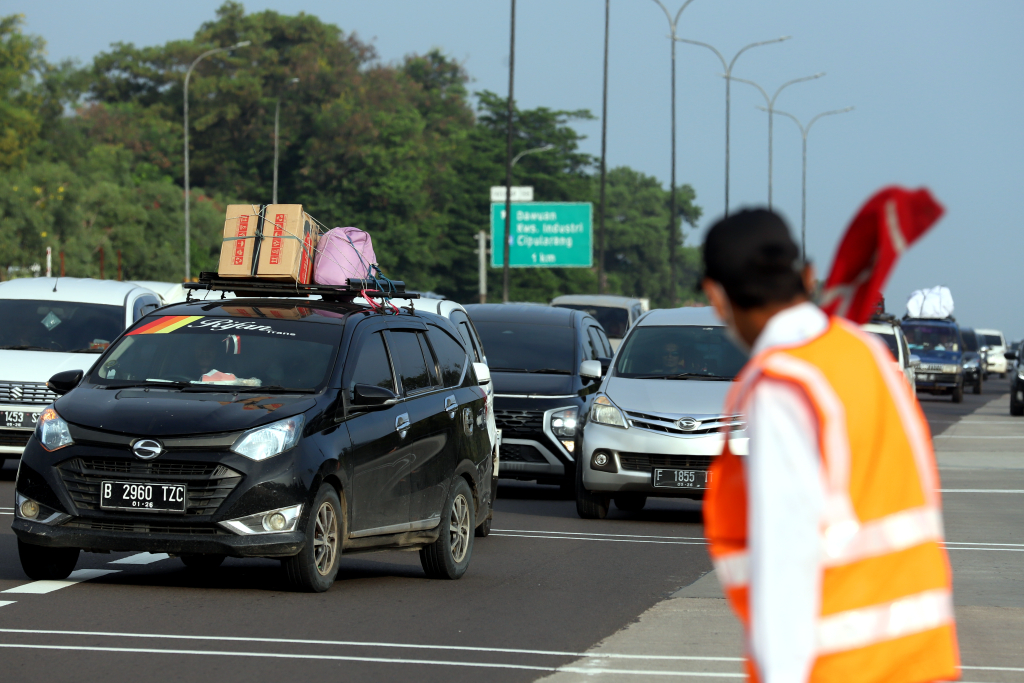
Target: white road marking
{"x": 4, "y": 603}
{"x": 981, "y": 490}
{"x": 606, "y": 540}
{"x": 978, "y": 422}
{"x": 1010, "y": 550}
{"x": 39, "y": 587}
{"x": 587, "y": 533}
{"x": 142, "y": 558}
{"x": 1015, "y": 545}
{"x": 964, "y": 436}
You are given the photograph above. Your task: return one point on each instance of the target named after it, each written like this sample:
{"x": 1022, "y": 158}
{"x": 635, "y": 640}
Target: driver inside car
{"x": 672, "y": 361}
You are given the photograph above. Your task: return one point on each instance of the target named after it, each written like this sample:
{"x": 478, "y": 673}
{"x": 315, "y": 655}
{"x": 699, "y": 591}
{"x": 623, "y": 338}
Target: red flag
{"x": 886, "y": 225}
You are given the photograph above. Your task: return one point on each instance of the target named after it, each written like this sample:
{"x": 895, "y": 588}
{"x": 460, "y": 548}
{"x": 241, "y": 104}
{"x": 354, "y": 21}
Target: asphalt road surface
{"x": 547, "y": 594}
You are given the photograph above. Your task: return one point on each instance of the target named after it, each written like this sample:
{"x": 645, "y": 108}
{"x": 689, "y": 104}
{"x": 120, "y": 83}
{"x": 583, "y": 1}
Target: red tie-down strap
{"x": 888, "y": 223}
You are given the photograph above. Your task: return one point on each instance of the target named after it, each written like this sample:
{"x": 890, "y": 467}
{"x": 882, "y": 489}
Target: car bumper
{"x": 929, "y": 381}
{"x": 665, "y": 451}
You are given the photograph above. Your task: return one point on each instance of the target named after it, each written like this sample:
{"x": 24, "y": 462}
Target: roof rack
{"x": 256, "y": 287}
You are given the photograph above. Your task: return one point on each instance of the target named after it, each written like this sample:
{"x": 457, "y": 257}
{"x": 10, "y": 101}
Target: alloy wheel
{"x": 458, "y": 526}
{"x": 325, "y": 538}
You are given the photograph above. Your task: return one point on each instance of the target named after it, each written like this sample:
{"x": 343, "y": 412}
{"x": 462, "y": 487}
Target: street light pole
{"x": 508, "y": 158}
{"x": 673, "y": 226}
{"x": 770, "y": 101}
{"x": 804, "y": 132}
{"x": 508, "y": 211}
{"x": 188, "y": 75}
{"x": 604, "y": 149}
{"x": 728, "y": 87}
{"x": 277, "y": 118}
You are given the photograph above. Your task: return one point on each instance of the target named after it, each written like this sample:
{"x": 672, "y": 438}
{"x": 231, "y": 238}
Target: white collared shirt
{"x": 786, "y": 505}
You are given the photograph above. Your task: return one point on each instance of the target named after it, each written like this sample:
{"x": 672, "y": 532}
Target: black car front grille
{"x": 513, "y": 422}
{"x": 520, "y": 453}
{"x": 143, "y": 528}
{"x": 208, "y": 484}
{"x": 14, "y": 437}
{"x": 646, "y": 462}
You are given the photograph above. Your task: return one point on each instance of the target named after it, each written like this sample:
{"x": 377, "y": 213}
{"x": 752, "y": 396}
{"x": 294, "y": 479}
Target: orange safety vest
{"x": 886, "y": 609}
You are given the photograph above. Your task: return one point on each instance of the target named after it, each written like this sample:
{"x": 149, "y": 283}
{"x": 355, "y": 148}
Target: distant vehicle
{"x": 887, "y": 328}
{"x": 994, "y": 344}
{"x": 544, "y": 361}
{"x": 54, "y": 324}
{"x": 615, "y": 313}
{"x": 974, "y": 360}
{"x": 937, "y": 342}
{"x": 657, "y": 422}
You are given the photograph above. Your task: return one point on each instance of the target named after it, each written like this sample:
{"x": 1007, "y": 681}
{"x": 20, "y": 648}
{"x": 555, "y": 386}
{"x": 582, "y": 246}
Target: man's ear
{"x": 716, "y": 295}
{"x": 810, "y": 278}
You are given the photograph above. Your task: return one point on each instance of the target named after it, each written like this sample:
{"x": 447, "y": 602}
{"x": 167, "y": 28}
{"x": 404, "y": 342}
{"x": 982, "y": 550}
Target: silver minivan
{"x": 657, "y": 421}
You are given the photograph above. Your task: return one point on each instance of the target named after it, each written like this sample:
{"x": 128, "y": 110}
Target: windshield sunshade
{"x": 685, "y": 351}
{"x": 524, "y": 347}
{"x": 930, "y": 337}
{"x": 64, "y": 326}
{"x": 196, "y": 352}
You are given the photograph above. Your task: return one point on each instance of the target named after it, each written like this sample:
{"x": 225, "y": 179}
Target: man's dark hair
{"x": 752, "y": 255}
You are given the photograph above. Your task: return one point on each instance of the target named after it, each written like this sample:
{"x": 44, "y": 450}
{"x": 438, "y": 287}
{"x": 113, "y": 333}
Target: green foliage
{"x": 395, "y": 149}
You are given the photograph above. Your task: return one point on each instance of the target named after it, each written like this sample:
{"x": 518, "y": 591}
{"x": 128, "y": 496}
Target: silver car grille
{"x": 26, "y": 393}
{"x": 663, "y": 423}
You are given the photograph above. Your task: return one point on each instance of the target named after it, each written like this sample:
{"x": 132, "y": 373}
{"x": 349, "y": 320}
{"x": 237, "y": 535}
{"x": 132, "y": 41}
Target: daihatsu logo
{"x": 147, "y": 449}
{"x": 687, "y": 424}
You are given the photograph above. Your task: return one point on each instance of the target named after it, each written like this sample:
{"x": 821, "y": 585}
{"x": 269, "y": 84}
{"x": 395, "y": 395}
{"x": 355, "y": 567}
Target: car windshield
{"x": 890, "y": 341}
{"x": 970, "y": 340}
{"x": 991, "y": 340}
{"x": 615, "y": 321}
{"x": 679, "y": 351}
{"x": 924, "y": 337}
{"x": 525, "y": 347}
{"x": 196, "y": 352}
{"x": 65, "y": 326}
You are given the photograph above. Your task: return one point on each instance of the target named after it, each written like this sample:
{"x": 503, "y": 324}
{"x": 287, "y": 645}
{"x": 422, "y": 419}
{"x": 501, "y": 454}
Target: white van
{"x": 993, "y": 343}
{"x": 51, "y": 325}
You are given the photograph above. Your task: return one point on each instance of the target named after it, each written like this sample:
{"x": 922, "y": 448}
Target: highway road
{"x": 548, "y": 595}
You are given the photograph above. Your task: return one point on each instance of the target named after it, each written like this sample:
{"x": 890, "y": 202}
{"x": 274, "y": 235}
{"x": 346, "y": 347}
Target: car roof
{"x": 310, "y": 310}
{"x": 76, "y": 289}
{"x": 979, "y": 330}
{"x": 524, "y": 313}
{"x": 879, "y": 328}
{"x": 689, "y": 315}
{"x": 596, "y": 300}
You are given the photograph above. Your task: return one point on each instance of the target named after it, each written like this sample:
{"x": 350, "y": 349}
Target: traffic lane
{"x": 942, "y": 413}
{"x": 562, "y": 593}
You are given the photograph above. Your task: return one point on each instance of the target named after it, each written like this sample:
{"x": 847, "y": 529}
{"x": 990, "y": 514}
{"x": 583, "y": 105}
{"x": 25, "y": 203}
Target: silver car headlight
{"x": 604, "y": 412}
{"x": 949, "y": 369}
{"x": 52, "y": 430}
{"x": 269, "y": 440}
{"x": 1020, "y": 371}
{"x": 972, "y": 363}
{"x": 269, "y": 522}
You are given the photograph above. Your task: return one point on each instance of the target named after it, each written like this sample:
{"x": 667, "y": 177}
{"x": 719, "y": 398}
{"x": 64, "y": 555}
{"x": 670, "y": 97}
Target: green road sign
{"x": 544, "y": 235}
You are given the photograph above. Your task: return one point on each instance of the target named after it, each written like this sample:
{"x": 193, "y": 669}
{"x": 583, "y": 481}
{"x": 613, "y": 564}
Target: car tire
{"x": 484, "y": 529}
{"x": 203, "y": 562}
{"x": 977, "y": 385}
{"x": 958, "y": 392}
{"x": 1016, "y": 409}
{"x": 314, "y": 568}
{"x": 47, "y": 564}
{"x": 1002, "y": 375}
{"x": 590, "y": 504}
{"x": 448, "y": 557}
{"x": 630, "y": 502}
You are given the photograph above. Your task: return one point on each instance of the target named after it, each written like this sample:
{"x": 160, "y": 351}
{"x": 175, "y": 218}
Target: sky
{"x": 935, "y": 85}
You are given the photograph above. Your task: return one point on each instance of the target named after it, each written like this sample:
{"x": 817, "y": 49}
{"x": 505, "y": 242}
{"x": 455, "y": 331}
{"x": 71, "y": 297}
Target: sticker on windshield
{"x": 165, "y": 324}
{"x": 50, "y": 321}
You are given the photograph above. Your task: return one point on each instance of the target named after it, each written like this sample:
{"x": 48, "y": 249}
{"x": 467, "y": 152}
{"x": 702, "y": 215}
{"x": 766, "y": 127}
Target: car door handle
{"x": 450, "y": 406}
{"x": 402, "y": 424}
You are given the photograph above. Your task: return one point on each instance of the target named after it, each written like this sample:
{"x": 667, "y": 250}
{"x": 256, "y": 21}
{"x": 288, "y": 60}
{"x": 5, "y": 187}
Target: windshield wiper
{"x": 170, "y": 384}
{"x": 687, "y": 375}
{"x": 26, "y": 347}
{"x": 275, "y": 388}
{"x": 549, "y": 371}
{"x": 85, "y": 350}
{"x": 509, "y": 370}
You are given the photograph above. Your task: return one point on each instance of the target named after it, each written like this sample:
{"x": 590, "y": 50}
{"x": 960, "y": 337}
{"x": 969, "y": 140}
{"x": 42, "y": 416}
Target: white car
{"x": 616, "y": 314}
{"x": 994, "y": 344}
{"x": 51, "y": 325}
{"x": 891, "y": 333}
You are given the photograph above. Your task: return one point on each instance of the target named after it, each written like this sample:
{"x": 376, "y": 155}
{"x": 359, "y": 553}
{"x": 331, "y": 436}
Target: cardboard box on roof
{"x": 289, "y": 239}
{"x": 236, "y": 252}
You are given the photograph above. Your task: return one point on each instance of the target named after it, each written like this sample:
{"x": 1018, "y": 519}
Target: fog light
{"x": 29, "y": 509}
{"x": 600, "y": 459}
{"x": 275, "y": 522}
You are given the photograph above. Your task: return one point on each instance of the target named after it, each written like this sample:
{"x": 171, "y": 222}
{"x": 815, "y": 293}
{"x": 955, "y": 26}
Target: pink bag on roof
{"x": 341, "y": 254}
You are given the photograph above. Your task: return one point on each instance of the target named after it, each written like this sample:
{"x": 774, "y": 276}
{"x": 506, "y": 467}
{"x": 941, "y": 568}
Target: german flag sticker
{"x": 165, "y": 324}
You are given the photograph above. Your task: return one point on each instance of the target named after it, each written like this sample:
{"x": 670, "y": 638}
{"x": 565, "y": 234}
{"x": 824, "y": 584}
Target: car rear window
{"x": 678, "y": 351}
{"x": 526, "y": 347}
{"x": 615, "y": 321}
{"x": 992, "y": 339}
{"x": 65, "y": 326}
{"x": 208, "y": 351}
{"x": 970, "y": 340}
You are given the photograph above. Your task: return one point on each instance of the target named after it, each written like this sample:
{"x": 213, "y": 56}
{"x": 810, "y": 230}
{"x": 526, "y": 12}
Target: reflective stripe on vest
{"x": 733, "y": 570}
{"x": 878, "y": 623}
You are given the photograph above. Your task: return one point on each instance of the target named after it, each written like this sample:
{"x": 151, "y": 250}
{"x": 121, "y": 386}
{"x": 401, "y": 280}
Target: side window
{"x": 451, "y": 357}
{"x": 595, "y": 342}
{"x": 431, "y": 358}
{"x": 636, "y": 312}
{"x": 605, "y": 343}
{"x": 411, "y": 364}
{"x": 466, "y": 332}
{"x": 143, "y": 306}
{"x": 372, "y": 365}
{"x": 903, "y": 346}
{"x": 589, "y": 351}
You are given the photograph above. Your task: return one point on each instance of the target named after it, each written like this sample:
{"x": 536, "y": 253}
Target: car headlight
{"x": 1020, "y": 371}
{"x": 26, "y": 508}
{"x": 269, "y": 440}
{"x": 563, "y": 426}
{"x": 949, "y": 369}
{"x": 52, "y": 430}
{"x": 269, "y": 522}
{"x": 604, "y": 412}
{"x": 971, "y": 364}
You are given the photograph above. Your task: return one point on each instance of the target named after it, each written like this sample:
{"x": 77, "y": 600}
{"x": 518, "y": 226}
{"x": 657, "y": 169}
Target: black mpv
{"x": 264, "y": 427}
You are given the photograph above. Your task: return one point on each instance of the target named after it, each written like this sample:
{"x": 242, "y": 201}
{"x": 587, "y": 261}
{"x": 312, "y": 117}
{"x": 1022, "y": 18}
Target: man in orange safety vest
{"x": 827, "y": 537}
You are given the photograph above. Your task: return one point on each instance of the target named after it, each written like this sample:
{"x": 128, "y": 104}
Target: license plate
{"x": 19, "y": 419}
{"x": 142, "y": 496}
{"x": 682, "y": 479}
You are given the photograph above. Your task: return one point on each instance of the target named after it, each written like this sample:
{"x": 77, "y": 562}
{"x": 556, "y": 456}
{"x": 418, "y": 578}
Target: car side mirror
{"x": 63, "y": 382}
{"x": 915, "y": 361}
{"x": 605, "y": 364}
{"x": 483, "y": 373}
{"x": 372, "y": 396}
{"x": 1011, "y": 355}
{"x": 591, "y": 369}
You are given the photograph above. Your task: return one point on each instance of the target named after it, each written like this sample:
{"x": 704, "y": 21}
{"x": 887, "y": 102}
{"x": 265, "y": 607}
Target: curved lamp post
{"x": 804, "y": 132}
{"x": 728, "y": 83}
{"x": 508, "y": 214}
{"x": 188, "y": 75}
{"x": 770, "y": 101}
